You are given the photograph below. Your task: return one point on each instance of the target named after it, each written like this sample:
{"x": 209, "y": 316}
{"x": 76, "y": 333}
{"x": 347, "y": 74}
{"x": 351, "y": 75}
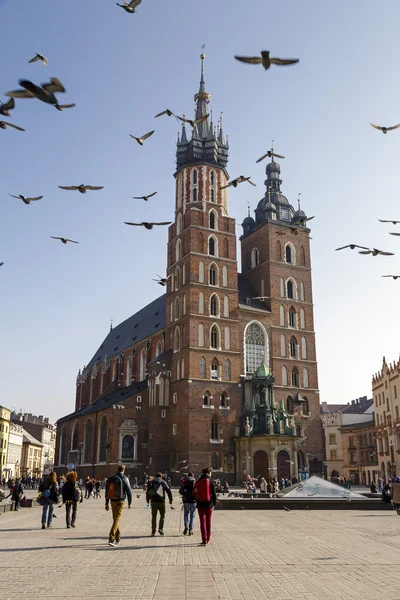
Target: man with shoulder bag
{"x": 155, "y": 494}
{"x": 189, "y": 503}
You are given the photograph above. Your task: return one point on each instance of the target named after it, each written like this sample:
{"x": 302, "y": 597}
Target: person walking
{"x": 118, "y": 489}
{"x": 263, "y": 486}
{"x": 71, "y": 495}
{"x": 50, "y": 496}
{"x": 206, "y": 499}
{"x": 189, "y": 503}
{"x": 156, "y": 491}
{"x": 17, "y": 493}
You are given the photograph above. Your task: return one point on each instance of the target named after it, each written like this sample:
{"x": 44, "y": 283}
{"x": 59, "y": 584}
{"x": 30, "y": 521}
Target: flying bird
{"x": 1, "y": 264}
{"x": 63, "y": 240}
{"x": 130, "y": 6}
{"x": 394, "y": 233}
{"x": 25, "y": 199}
{"x": 380, "y": 220}
{"x": 40, "y": 57}
{"x": 163, "y": 281}
{"x": 352, "y": 246}
{"x": 375, "y": 252}
{"x": 81, "y": 188}
{"x": 4, "y": 125}
{"x": 294, "y": 230}
{"x": 303, "y": 220}
{"x": 144, "y": 197}
{"x": 259, "y": 298}
{"x": 393, "y": 277}
{"x": 46, "y": 92}
{"x": 266, "y": 61}
{"x": 148, "y": 225}
{"x": 195, "y": 122}
{"x": 385, "y": 129}
{"x": 137, "y": 495}
{"x": 270, "y": 154}
{"x": 5, "y": 107}
{"x": 140, "y": 140}
{"x": 166, "y": 112}
{"x": 235, "y": 182}
{"x": 61, "y": 107}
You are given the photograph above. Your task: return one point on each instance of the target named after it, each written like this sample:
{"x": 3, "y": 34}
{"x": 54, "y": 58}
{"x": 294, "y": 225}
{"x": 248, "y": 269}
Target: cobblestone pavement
{"x": 315, "y": 555}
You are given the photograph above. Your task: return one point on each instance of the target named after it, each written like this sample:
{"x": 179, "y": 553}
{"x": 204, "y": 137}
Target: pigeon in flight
{"x": 40, "y": 57}
{"x": 393, "y": 277}
{"x": 137, "y": 495}
{"x": 380, "y": 220}
{"x": 148, "y": 225}
{"x": 163, "y": 281}
{"x": 166, "y": 112}
{"x": 235, "y": 182}
{"x": 266, "y": 61}
{"x": 4, "y": 125}
{"x": 130, "y": 6}
{"x": 81, "y": 188}
{"x": 259, "y": 298}
{"x": 144, "y": 197}
{"x": 25, "y": 199}
{"x": 5, "y": 107}
{"x": 294, "y": 230}
{"x": 375, "y": 252}
{"x": 394, "y": 233}
{"x": 61, "y": 107}
{"x": 140, "y": 140}
{"x": 270, "y": 154}
{"x": 195, "y": 122}
{"x": 352, "y": 246}
{"x": 63, "y": 240}
{"x": 1, "y": 264}
{"x": 46, "y": 92}
{"x": 385, "y": 129}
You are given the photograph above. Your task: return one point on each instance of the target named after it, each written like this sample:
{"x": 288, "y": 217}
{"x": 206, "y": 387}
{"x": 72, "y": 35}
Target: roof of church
{"x": 107, "y": 400}
{"x": 247, "y": 294}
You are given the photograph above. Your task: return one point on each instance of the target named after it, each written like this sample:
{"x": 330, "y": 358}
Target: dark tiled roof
{"x": 358, "y": 408}
{"x": 108, "y": 400}
{"x": 358, "y": 425}
{"x": 164, "y": 356}
{"x": 246, "y": 290}
{"x": 139, "y": 326}
{"x": 29, "y": 439}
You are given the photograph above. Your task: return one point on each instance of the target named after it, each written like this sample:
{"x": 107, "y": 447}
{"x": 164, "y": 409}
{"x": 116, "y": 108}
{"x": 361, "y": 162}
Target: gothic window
{"x": 306, "y": 407}
{"x": 201, "y": 303}
{"x": 201, "y": 335}
{"x": 302, "y": 296}
{"x": 284, "y": 375}
{"x": 212, "y": 197}
{"x": 183, "y": 274}
{"x": 278, "y": 250}
{"x": 295, "y": 377}
{"x": 227, "y": 369}
{"x": 289, "y": 254}
{"x": 226, "y": 306}
{"x": 303, "y": 348}
{"x": 214, "y": 337}
{"x": 128, "y": 380}
{"x": 289, "y": 405}
{"x": 74, "y": 442}
{"x": 255, "y": 258}
{"x": 177, "y": 309}
{"x": 88, "y": 442}
{"x": 207, "y": 399}
{"x": 290, "y": 289}
{"x": 212, "y": 178}
{"x": 202, "y": 367}
{"x": 213, "y": 275}
{"x": 178, "y": 369}
{"x": 127, "y": 448}
{"x": 184, "y": 304}
{"x": 194, "y": 176}
{"x": 225, "y": 276}
{"x": 224, "y": 400}
{"x": 182, "y": 368}
{"x": 282, "y": 287}
{"x": 63, "y": 447}
{"x": 214, "y": 369}
{"x": 305, "y": 378}
{"x": 158, "y": 349}
{"x": 183, "y": 336}
{"x": 177, "y": 278}
{"x": 302, "y": 256}
{"x": 262, "y": 288}
{"x": 177, "y": 340}
{"x": 194, "y": 195}
{"x": 282, "y": 316}
{"x": 179, "y": 223}
{"x": 214, "y": 308}
{"x": 215, "y": 461}
{"x": 293, "y": 347}
{"x": 201, "y": 272}
{"x": 292, "y": 317}
{"x": 214, "y": 429}
{"x": 283, "y": 345}
{"x": 212, "y": 246}
{"x": 302, "y": 318}
{"x": 255, "y": 342}
{"x": 142, "y": 365}
{"x": 103, "y": 440}
{"x": 178, "y": 249}
{"x": 166, "y": 391}
{"x": 227, "y": 338}
{"x": 171, "y": 310}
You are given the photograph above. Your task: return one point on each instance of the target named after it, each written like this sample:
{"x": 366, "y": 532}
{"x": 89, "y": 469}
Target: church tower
{"x": 275, "y": 249}
{"x": 202, "y": 328}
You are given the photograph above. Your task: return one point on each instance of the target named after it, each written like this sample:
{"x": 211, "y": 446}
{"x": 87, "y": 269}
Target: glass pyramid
{"x": 316, "y": 487}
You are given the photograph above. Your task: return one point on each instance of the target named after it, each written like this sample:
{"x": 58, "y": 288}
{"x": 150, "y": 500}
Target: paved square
{"x": 298, "y": 555}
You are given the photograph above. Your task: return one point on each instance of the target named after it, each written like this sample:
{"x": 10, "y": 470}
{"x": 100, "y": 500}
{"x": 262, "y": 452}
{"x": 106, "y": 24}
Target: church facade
{"x": 221, "y": 370}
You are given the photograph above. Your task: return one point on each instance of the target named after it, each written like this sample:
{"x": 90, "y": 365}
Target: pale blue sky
{"x": 56, "y": 301}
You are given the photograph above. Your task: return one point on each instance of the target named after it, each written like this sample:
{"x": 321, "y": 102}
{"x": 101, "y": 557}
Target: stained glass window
{"x": 255, "y": 347}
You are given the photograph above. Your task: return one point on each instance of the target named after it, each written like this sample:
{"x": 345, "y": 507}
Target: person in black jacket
{"x": 50, "y": 489}
{"x": 17, "y": 493}
{"x": 189, "y": 503}
{"x": 71, "y": 495}
{"x": 205, "y": 507}
{"x": 155, "y": 493}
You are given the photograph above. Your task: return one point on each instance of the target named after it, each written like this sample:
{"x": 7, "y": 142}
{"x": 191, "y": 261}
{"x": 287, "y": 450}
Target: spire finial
{"x": 272, "y": 151}
{"x": 298, "y": 200}
{"x": 111, "y": 323}
{"x": 248, "y": 208}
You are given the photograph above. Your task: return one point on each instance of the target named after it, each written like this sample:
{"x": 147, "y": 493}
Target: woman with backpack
{"x": 49, "y": 495}
{"x": 71, "y": 495}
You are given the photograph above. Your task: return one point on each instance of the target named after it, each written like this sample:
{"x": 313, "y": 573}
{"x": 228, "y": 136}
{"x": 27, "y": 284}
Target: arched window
{"x": 201, "y": 303}
{"x": 303, "y": 348}
{"x": 283, "y": 345}
{"x": 177, "y": 278}
{"x": 213, "y": 275}
{"x": 177, "y": 309}
{"x": 305, "y": 378}
{"x": 88, "y": 442}
{"x": 284, "y": 375}
{"x": 302, "y": 256}
{"x": 194, "y": 195}
{"x": 128, "y": 448}
{"x": 182, "y": 368}
{"x": 295, "y": 377}
{"x": 214, "y": 429}
{"x": 158, "y": 349}
{"x": 255, "y": 258}
{"x": 177, "y": 339}
{"x": 224, "y": 400}
{"x": 214, "y": 337}
{"x": 63, "y": 447}
{"x": 171, "y": 310}
{"x": 212, "y": 246}
{"x": 306, "y": 407}
{"x": 293, "y": 347}
{"x": 179, "y": 224}
{"x": 224, "y": 276}
{"x": 289, "y": 405}
{"x": 178, "y": 249}
{"x": 278, "y": 250}
{"x": 227, "y": 338}
{"x": 256, "y": 350}
{"x": 290, "y": 254}
{"x": 178, "y": 369}
{"x": 203, "y": 367}
{"x": 214, "y": 369}
{"x": 194, "y": 177}
{"x": 183, "y": 337}
{"x": 292, "y": 317}
{"x": 201, "y": 272}
{"x": 212, "y": 195}
{"x": 282, "y": 287}
{"x": 183, "y": 274}
{"x": 212, "y": 178}
{"x": 142, "y": 365}
{"x": 215, "y": 461}
{"x": 282, "y": 316}
{"x": 214, "y": 305}
{"x": 213, "y": 219}
{"x": 201, "y": 335}
{"x": 262, "y": 288}
{"x": 290, "y": 289}
{"x": 302, "y": 318}
{"x": 103, "y": 439}
{"x": 227, "y": 369}
{"x": 184, "y": 304}
{"x": 207, "y": 399}
{"x": 226, "y": 306}
{"x": 302, "y": 295}
{"x": 201, "y": 242}
{"x": 74, "y": 440}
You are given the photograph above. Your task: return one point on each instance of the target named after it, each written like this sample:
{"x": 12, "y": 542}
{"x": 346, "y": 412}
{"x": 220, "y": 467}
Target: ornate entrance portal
{"x": 283, "y": 465}
{"x": 260, "y": 464}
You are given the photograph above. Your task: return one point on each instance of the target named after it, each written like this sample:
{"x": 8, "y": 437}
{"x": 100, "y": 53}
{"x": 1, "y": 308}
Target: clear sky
{"x": 56, "y": 301}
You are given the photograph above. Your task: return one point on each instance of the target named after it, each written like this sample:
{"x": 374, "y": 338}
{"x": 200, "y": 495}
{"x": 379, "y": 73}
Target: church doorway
{"x": 283, "y": 464}
{"x": 260, "y": 464}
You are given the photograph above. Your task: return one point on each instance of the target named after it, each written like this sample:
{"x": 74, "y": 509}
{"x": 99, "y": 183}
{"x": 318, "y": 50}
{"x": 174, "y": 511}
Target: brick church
{"x": 220, "y": 370}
